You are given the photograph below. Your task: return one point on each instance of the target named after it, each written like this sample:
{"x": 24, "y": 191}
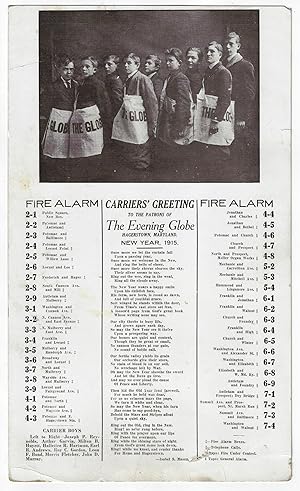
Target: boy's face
{"x": 130, "y": 65}
{"x": 192, "y": 59}
{"x": 110, "y": 66}
{"x": 66, "y": 71}
{"x": 150, "y": 66}
{"x": 87, "y": 68}
{"x": 213, "y": 55}
{"x": 232, "y": 46}
{"x": 172, "y": 63}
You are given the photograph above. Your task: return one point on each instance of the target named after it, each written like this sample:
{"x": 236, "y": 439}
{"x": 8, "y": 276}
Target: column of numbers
{"x": 269, "y": 322}
{"x": 30, "y": 317}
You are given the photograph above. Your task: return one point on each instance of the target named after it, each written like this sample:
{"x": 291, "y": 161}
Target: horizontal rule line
{"x": 149, "y": 247}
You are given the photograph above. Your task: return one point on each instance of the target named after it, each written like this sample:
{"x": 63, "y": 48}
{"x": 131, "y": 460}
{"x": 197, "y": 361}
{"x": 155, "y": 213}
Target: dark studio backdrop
{"x": 98, "y": 33}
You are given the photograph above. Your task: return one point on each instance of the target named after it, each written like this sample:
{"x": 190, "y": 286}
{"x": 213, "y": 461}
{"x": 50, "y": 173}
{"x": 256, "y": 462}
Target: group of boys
{"x": 233, "y": 79}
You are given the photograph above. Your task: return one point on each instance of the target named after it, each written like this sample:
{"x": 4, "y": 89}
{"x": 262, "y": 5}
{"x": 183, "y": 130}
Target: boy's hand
{"x": 214, "y": 127}
{"x": 152, "y": 132}
{"x": 175, "y": 134}
{"x": 240, "y": 126}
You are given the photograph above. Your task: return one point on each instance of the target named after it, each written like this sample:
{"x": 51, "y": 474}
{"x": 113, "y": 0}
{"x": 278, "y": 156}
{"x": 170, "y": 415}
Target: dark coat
{"x": 59, "y": 96}
{"x": 114, "y": 87}
{"x": 195, "y": 77}
{"x": 92, "y": 91}
{"x": 218, "y": 82}
{"x": 178, "y": 89}
{"x": 243, "y": 88}
{"x": 157, "y": 84}
{"x": 140, "y": 84}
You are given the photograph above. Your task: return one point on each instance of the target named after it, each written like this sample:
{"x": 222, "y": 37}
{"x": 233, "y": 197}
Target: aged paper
{"x": 150, "y": 320}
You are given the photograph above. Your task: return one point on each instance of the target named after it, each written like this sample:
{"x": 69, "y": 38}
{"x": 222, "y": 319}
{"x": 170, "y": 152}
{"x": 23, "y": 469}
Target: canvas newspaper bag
{"x": 204, "y": 113}
{"x": 167, "y": 112}
{"x": 73, "y": 134}
{"x": 86, "y": 135}
{"x": 56, "y": 140}
{"x": 130, "y": 123}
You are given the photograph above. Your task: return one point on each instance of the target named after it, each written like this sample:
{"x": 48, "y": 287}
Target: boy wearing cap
{"x": 57, "y": 104}
{"x": 113, "y": 82}
{"x": 175, "y": 103}
{"x": 135, "y": 124}
{"x": 194, "y": 70}
{"x": 243, "y": 81}
{"x": 243, "y": 93}
{"x": 218, "y": 82}
{"x": 152, "y": 66}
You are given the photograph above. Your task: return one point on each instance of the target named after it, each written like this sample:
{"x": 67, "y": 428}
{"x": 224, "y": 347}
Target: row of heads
{"x": 174, "y": 59}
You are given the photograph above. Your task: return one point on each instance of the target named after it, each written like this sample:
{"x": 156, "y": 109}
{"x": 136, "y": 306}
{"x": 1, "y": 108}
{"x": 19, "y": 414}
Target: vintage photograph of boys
{"x": 149, "y": 96}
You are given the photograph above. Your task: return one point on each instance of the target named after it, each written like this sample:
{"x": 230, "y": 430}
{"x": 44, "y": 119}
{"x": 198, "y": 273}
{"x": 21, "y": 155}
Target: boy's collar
{"x": 152, "y": 74}
{"x": 231, "y": 60}
{"x": 213, "y": 66}
{"x": 131, "y": 74}
{"x": 174, "y": 73}
{"x": 66, "y": 82}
